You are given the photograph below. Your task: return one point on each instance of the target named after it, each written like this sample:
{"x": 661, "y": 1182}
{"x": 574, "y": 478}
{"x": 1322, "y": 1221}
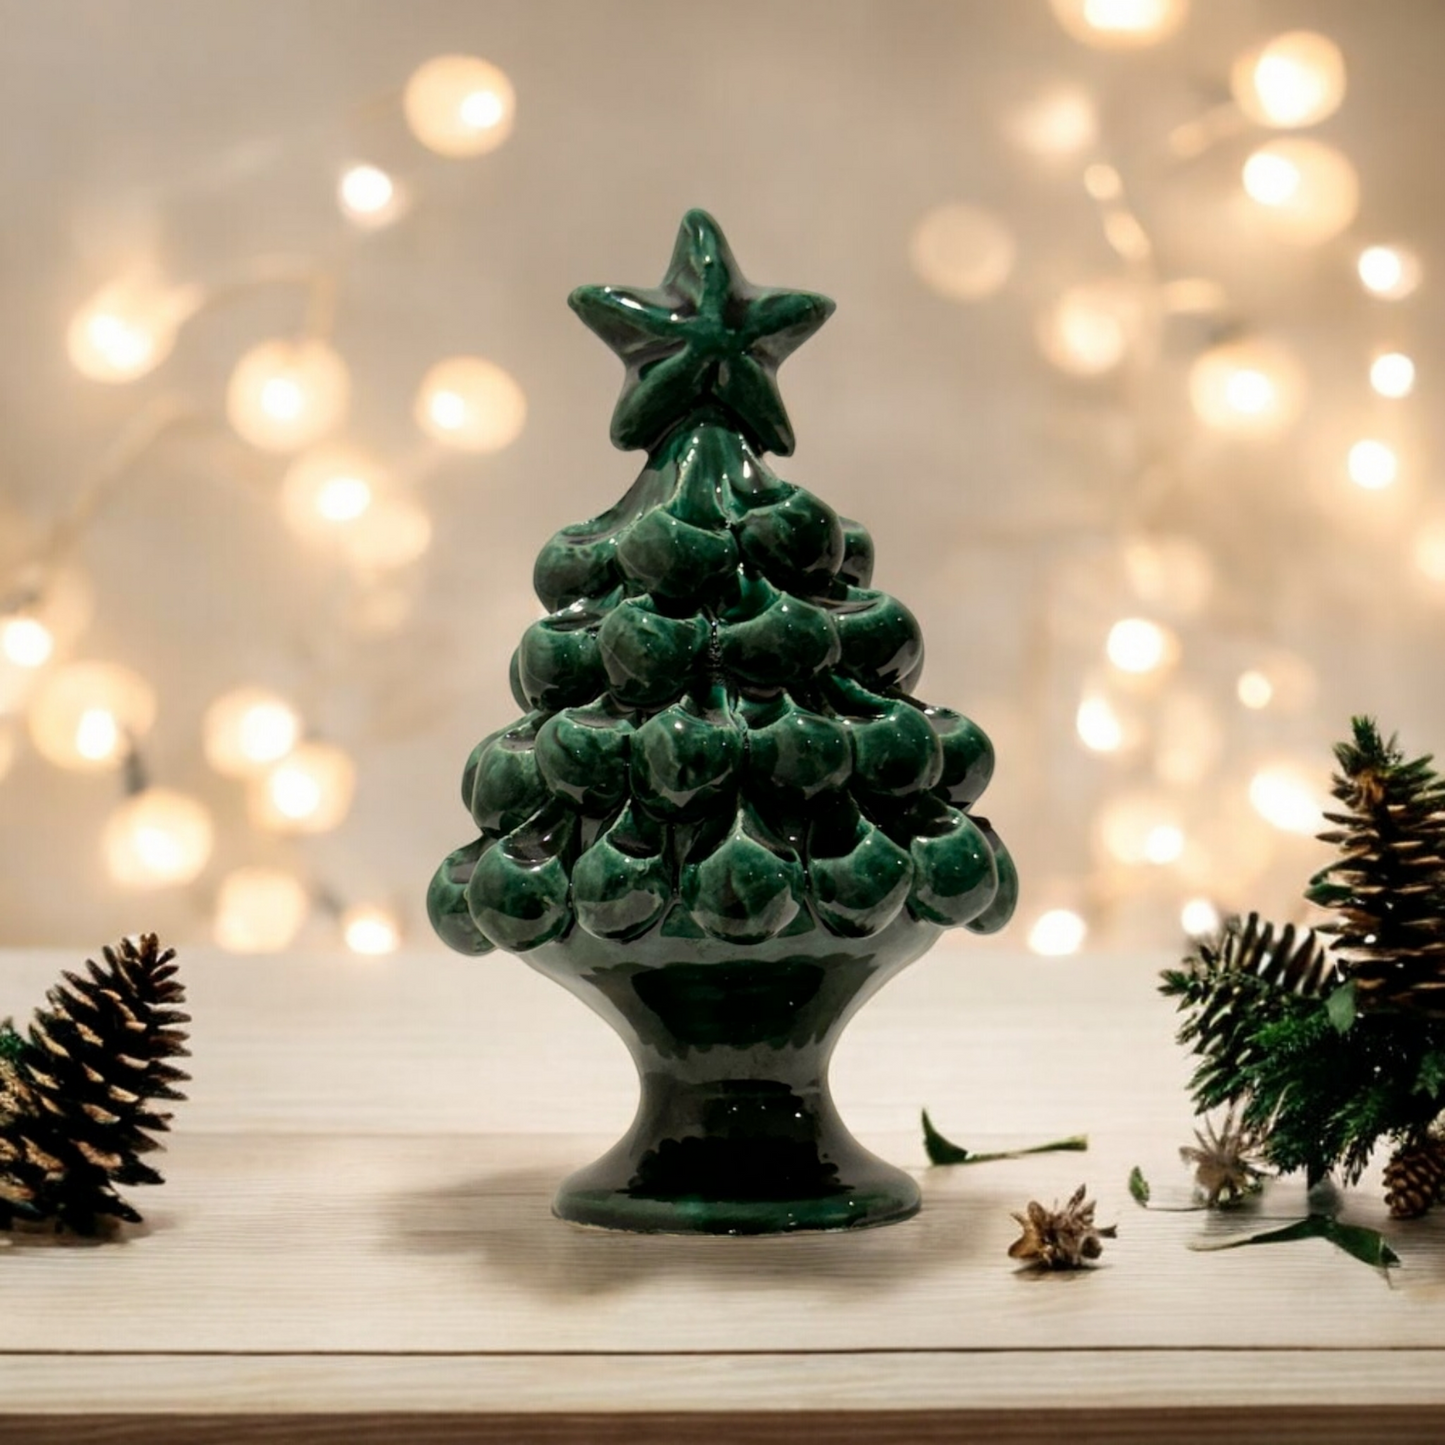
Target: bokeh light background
{"x": 1134, "y": 377}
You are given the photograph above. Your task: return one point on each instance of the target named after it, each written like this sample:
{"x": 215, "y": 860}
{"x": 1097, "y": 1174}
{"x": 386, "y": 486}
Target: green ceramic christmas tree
{"x": 723, "y": 818}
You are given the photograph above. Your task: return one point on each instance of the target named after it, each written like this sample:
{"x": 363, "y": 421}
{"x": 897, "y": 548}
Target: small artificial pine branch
{"x": 1325, "y": 1053}
{"x": 76, "y": 1090}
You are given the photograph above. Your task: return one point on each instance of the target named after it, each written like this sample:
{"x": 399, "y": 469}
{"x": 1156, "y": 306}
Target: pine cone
{"x": 75, "y": 1115}
{"x": 1415, "y": 1178}
{"x": 1057, "y": 1238}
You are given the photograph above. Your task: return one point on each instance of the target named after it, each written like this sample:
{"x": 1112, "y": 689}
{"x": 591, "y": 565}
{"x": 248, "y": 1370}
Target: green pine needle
{"x": 944, "y": 1151}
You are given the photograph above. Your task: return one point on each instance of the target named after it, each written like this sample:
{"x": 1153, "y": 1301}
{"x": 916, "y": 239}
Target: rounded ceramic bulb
{"x": 472, "y": 404}
{"x": 459, "y": 105}
{"x": 87, "y": 715}
{"x": 260, "y": 910}
{"x": 157, "y": 839}
{"x": 287, "y": 394}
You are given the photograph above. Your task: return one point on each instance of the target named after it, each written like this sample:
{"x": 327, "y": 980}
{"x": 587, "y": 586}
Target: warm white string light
{"x": 260, "y": 910}
{"x": 1199, "y": 918}
{"x": 459, "y": 105}
{"x": 329, "y": 489}
{"x": 1389, "y": 272}
{"x": 1057, "y": 933}
{"x": 1251, "y": 388}
{"x": 248, "y": 729}
{"x": 1139, "y": 645}
{"x": 1121, "y": 24}
{"x": 1392, "y": 374}
{"x": 26, "y": 641}
{"x": 963, "y": 252}
{"x": 370, "y": 930}
{"x": 128, "y": 328}
{"x": 1091, "y": 328}
{"x": 1286, "y": 796}
{"x": 287, "y": 394}
{"x": 1306, "y": 192}
{"x": 87, "y": 716}
{"x": 308, "y": 791}
{"x": 1373, "y": 465}
{"x": 1296, "y": 79}
{"x": 369, "y": 197}
{"x": 157, "y": 838}
{"x": 472, "y": 404}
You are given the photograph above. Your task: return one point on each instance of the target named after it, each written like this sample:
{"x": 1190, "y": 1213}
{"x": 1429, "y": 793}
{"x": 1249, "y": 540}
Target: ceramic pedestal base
{"x": 736, "y": 1132}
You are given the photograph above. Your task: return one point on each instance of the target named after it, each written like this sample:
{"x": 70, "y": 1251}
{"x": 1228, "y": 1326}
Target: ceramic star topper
{"x": 705, "y": 339}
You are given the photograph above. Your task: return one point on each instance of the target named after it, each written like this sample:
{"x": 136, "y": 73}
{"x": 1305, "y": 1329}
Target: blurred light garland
{"x": 1155, "y": 705}
{"x": 288, "y": 395}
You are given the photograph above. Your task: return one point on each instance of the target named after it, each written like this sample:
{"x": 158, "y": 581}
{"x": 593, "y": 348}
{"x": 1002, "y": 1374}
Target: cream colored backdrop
{"x": 201, "y": 136}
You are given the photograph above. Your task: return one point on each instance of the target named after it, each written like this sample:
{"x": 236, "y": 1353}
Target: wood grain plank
{"x": 405, "y": 1243}
{"x": 1216, "y": 1426}
{"x": 991, "y": 1040}
{"x": 602, "y": 1385}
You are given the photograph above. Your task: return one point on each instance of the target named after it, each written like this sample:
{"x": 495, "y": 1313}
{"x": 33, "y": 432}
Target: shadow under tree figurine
{"x": 723, "y": 820}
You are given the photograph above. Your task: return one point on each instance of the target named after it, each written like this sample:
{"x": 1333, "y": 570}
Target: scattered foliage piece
{"x": 945, "y": 1151}
{"x": 1057, "y": 1238}
{"x": 1366, "y": 1245}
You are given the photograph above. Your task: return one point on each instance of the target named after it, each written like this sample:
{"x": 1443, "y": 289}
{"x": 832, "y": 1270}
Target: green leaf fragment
{"x": 944, "y": 1151}
{"x": 941, "y": 1150}
{"x": 1366, "y": 1245}
{"x": 1138, "y": 1186}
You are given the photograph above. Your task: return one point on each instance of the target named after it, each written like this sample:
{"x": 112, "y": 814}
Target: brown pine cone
{"x": 1415, "y": 1178}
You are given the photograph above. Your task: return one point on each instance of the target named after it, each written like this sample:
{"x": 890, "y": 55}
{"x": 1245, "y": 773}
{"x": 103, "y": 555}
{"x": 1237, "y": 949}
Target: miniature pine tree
{"x": 1387, "y": 891}
{"x": 76, "y": 1091}
{"x": 719, "y": 735}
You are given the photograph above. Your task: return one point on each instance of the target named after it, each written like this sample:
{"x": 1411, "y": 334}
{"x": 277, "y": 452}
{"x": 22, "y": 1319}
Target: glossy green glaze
{"x": 723, "y": 819}
{"x": 736, "y": 1132}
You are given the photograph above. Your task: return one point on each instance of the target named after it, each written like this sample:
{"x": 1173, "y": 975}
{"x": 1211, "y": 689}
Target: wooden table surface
{"x": 355, "y": 1242}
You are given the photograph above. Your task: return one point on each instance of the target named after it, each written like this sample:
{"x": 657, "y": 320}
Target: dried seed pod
{"x": 1057, "y": 1238}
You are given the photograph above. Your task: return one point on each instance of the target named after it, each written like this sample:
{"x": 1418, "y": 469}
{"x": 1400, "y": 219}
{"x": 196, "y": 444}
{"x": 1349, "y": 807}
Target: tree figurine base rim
{"x": 891, "y": 1197}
